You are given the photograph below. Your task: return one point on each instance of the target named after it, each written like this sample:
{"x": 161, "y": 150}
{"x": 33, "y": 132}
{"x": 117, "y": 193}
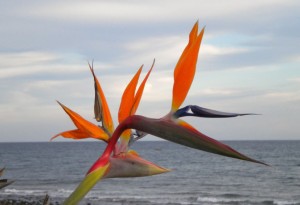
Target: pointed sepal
{"x": 101, "y": 109}
{"x": 83, "y": 125}
{"x": 139, "y": 93}
{"x": 185, "y": 69}
{"x": 127, "y": 100}
{"x": 130, "y": 102}
{"x": 72, "y": 134}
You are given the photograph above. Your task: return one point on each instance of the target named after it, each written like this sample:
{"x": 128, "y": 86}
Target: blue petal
{"x": 198, "y": 111}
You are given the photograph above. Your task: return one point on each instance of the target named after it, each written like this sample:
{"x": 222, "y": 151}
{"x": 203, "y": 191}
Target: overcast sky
{"x": 249, "y": 62}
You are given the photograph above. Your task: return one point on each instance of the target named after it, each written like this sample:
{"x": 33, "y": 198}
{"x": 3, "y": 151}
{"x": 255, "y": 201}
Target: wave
{"x": 23, "y": 192}
{"x": 97, "y": 198}
{"x": 243, "y": 201}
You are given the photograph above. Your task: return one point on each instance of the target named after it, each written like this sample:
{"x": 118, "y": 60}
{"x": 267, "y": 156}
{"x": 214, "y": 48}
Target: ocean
{"x": 55, "y": 168}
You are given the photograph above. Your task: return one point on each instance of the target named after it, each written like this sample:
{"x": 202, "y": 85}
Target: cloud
{"x": 147, "y": 11}
{"x": 167, "y": 50}
{"x": 25, "y": 58}
{"x": 212, "y": 91}
{"x": 286, "y": 96}
{"x": 249, "y": 58}
{"x": 296, "y": 80}
{"x": 25, "y": 63}
{"x": 17, "y": 64}
{"x": 104, "y": 30}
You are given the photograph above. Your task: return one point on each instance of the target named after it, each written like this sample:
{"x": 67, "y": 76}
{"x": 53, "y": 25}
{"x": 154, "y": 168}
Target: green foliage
{"x": 4, "y": 182}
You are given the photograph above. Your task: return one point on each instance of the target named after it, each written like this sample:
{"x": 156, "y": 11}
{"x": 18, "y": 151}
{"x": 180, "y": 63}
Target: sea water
{"x": 197, "y": 177}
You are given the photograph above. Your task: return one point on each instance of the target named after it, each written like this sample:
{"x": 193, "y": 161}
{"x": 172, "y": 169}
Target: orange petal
{"x": 185, "y": 69}
{"x": 73, "y": 134}
{"x": 101, "y": 108}
{"x": 85, "y": 126}
{"x": 128, "y": 97}
{"x": 139, "y": 93}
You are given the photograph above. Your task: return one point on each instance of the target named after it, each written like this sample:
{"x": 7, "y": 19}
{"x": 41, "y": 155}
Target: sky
{"x": 249, "y": 61}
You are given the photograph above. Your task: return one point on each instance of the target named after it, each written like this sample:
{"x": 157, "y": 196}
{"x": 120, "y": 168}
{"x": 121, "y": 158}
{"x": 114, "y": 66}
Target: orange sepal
{"x": 106, "y": 116}
{"x": 139, "y": 93}
{"x": 130, "y": 102}
{"x": 185, "y": 68}
{"x": 73, "y": 134}
{"x": 128, "y": 97}
{"x": 186, "y": 125}
{"x": 192, "y": 37}
{"x": 85, "y": 126}
{"x": 133, "y": 152}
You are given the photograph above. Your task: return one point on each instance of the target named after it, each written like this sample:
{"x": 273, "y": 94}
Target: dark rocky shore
{"x": 27, "y": 201}
{"x": 21, "y": 202}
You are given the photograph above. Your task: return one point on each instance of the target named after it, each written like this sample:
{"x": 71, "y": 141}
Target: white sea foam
{"x": 216, "y": 200}
{"x": 279, "y": 202}
{"x": 207, "y": 199}
{"x": 23, "y": 192}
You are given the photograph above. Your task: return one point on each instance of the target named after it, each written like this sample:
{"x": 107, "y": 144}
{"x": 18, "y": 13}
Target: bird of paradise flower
{"x": 124, "y": 162}
{"x": 117, "y": 160}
